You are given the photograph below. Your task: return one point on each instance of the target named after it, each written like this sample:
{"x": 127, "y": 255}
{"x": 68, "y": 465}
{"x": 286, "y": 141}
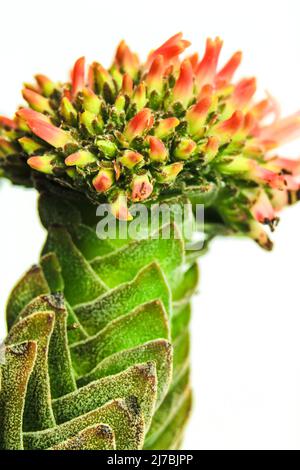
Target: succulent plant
{"x": 97, "y": 352}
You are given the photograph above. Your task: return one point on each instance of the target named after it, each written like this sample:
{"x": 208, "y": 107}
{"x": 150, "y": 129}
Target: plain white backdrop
{"x": 246, "y": 319}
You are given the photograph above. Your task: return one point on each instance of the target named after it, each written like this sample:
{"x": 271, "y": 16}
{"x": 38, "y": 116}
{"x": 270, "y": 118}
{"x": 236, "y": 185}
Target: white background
{"x": 246, "y": 322}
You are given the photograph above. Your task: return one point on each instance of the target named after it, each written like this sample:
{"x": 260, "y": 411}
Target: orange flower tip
{"x": 141, "y": 188}
{"x": 45, "y": 84}
{"x": 119, "y": 208}
{"x": 185, "y": 148}
{"x": 271, "y": 178}
{"x": 281, "y": 131}
{"x": 104, "y": 180}
{"x": 166, "y": 127}
{"x": 265, "y": 107}
{"x": 206, "y": 92}
{"x": 154, "y": 78}
{"x": 206, "y": 69}
{"x": 7, "y": 123}
{"x": 6, "y": 147}
{"x": 158, "y": 151}
{"x": 211, "y": 149}
{"x": 126, "y": 60}
{"x": 201, "y": 108}
{"x": 117, "y": 75}
{"x": 67, "y": 94}
{"x": 263, "y": 211}
{"x": 40, "y": 125}
{"x": 130, "y": 159}
{"x": 78, "y": 76}
{"x": 227, "y": 129}
{"x": 43, "y": 164}
{"x": 183, "y": 89}
{"x": 226, "y": 74}
{"x": 28, "y": 114}
{"x": 139, "y": 124}
{"x": 197, "y": 114}
{"x": 259, "y": 235}
{"x": 36, "y": 101}
{"x": 249, "y": 123}
{"x": 244, "y": 92}
{"x": 139, "y": 96}
{"x": 170, "y": 49}
{"x": 287, "y": 164}
{"x": 29, "y": 145}
{"x": 100, "y": 76}
{"x": 193, "y": 59}
{"x": 169, "y": 173}
{"x": 127, "y": 84}
{"x": 80, "y": 158}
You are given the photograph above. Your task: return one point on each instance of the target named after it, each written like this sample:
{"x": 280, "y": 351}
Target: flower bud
{"x": 119, "y": 207}
{"x": 141, "y": 188}
{"x": 140, "y": 123}
{"x": 7, "y": 123}
{"x": 40, "y": 125}
{"x": 29, "y": 145}
{"x": 6, "y": 147}
{"x": 107, "y": 147}
{"x": 169, "y": 173}
{"x": 91, "y": 101}
{"x": 104, "y": 180}
{"x": 196, "y": 116}
{"x": 154, "y": 78}
{"x": 183, "y": 89}
{"x": 130, "y": 159}
{"x": 211, "y": 149}
{"x": 36, "y": 101}
{"x": 127, "y": 60}
{"x": 46, "y": 85}
{"x": 80, "y": 158}
{"x": 127, "y": 84}
{"x": 68, "y": 111}
{"x": 77, "y": 76}
{"x": 139, "y": 96}
{"x": 166, "y": 127}
{"x": 158, "y": 151}
{"x": 225, "y": 130}
{"x": 43, "y": 164}
{"x": 185, "y": 148}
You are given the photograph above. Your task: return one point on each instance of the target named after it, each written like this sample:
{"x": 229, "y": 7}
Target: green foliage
{"x": 98, "y": 349}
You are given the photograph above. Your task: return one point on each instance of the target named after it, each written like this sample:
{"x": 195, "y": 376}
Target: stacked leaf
{"x": 97, "y": 352}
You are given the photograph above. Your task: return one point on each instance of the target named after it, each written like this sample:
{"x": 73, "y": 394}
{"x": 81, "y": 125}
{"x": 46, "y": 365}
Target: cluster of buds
{"x": 136, "y": 131}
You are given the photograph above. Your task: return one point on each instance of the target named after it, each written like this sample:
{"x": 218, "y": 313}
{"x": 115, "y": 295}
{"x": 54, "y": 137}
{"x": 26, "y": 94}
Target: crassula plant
{"x": 97, "y": 350}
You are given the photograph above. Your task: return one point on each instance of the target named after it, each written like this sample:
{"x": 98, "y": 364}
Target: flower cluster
{"x": 140, "y": 131}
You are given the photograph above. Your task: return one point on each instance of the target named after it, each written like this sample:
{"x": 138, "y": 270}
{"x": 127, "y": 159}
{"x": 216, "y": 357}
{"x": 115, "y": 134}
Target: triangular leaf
{"x": 19, "y": 363}
{"x": 149, "y": 284}
{"x": 146, "y": 323}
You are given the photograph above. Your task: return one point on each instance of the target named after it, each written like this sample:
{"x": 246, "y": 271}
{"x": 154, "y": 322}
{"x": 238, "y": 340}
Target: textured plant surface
{"x": 89, "y": 359}
{"x": 97, "y": 349}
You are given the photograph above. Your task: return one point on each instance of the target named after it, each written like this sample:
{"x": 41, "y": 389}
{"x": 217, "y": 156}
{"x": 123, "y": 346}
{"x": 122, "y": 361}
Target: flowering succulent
{"x": 97, "y": 351}
{"x": 140, "y": 131}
